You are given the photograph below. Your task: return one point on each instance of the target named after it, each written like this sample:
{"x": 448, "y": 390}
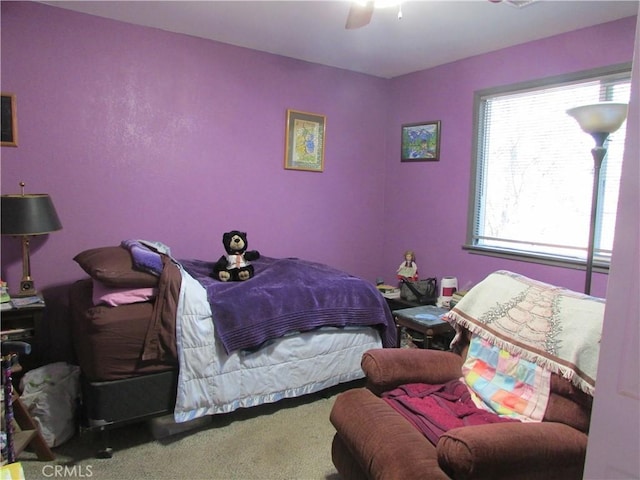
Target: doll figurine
{"x": 408, "y": 269}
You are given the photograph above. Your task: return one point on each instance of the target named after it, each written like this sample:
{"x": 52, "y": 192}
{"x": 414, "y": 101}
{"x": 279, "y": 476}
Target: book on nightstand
{"x": 25, "y": 302}
{"x": 389, "y": 291}
{"x": 457, "y": 296}
{"x": 4, "y": 292}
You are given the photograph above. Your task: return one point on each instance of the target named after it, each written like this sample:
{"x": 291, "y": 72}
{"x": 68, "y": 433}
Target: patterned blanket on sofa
{"x": 556, "y": 328}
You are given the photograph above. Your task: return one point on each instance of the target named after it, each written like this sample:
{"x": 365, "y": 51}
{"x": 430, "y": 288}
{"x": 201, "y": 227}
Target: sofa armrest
{"x": 381, "y": 442}
{"x": 386, "y": 368}
{"x": 546, "y": 450}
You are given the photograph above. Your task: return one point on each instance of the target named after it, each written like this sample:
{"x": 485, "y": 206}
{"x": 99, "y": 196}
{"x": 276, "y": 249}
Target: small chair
{"x": 374, "y": 440}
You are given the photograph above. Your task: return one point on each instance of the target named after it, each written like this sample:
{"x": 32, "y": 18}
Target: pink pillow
{"x": 114, "y": 296}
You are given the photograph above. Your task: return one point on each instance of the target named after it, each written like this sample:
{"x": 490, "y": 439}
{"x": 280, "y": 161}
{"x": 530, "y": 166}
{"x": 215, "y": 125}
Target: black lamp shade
{"x": 29, "y": 214}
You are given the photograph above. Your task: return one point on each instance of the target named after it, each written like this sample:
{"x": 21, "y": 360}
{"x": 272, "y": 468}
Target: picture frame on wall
{"x": 305, "y": 139}
{"x": 9, "y": 120}
{"x": 420, "y": 142}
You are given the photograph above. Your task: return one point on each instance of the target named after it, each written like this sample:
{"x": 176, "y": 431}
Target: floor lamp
{"x": 24, "y": 215}
{"x": 598, "y": 120}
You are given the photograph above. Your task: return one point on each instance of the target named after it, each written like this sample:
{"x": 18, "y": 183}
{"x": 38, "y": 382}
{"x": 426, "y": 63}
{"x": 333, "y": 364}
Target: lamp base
{"x": 27, "y": 289}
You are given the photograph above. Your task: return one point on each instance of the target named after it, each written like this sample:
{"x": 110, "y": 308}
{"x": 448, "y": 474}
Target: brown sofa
{"x": 373, "y": 441}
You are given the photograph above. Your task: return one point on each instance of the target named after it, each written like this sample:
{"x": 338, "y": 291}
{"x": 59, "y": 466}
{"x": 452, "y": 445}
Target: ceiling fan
{"x": 361, "y": 12}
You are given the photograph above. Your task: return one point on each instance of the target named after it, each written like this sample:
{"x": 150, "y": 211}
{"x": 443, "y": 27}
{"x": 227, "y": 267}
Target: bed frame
{"x": 112, "y": 404}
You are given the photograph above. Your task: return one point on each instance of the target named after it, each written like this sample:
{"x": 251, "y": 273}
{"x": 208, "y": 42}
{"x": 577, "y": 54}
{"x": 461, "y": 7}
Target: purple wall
{"x": 140, "y": 133}
{"x": 426, "y": 203}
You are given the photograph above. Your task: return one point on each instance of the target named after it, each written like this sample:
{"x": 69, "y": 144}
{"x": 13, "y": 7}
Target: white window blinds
{"x": 534, "y": 170}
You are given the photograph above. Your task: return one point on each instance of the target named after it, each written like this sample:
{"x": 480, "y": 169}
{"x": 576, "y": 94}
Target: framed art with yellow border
{"x": 304, "y": 149}
{"x": 9, "y": 121}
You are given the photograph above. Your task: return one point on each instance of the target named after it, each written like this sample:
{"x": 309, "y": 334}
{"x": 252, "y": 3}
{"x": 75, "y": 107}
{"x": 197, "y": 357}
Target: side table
{"x": 425, "y": 319}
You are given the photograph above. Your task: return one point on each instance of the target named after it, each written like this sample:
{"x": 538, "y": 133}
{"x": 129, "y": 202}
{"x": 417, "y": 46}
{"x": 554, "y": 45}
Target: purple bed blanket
{"x": 290, "y": 295}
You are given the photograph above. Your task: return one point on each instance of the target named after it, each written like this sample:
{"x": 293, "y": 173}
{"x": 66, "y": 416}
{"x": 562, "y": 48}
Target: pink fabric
{"x": 435, "y": 409}
{"x": 113, "y": 296}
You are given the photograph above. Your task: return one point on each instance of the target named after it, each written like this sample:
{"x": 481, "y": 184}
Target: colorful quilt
{"x": 556, "y": 328}
{"x": 504, "y": 383}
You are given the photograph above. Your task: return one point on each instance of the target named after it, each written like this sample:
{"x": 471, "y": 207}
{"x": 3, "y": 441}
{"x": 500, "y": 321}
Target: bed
{"x": 170, "y": 339}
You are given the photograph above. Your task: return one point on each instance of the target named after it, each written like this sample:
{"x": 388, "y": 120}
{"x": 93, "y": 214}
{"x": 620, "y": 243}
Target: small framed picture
{"x": 9, "y": 134}
{"x": 305, "y": 135}
{"x": 421, "y": 142}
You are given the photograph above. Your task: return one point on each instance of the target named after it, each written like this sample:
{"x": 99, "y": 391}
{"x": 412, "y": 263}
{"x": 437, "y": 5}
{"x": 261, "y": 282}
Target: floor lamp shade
{"x": 26, "y": 215}
{"x": 603, "y": 117}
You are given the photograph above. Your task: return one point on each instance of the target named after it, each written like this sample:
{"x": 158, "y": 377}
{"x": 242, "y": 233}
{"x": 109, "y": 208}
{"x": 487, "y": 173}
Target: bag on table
{"x": 424, "y": 291}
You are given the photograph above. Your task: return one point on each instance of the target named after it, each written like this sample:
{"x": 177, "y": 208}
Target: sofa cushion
{"x": 544, "y": 450}
{"x": 567, "y": 404}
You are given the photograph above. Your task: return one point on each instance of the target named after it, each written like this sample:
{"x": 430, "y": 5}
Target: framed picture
{"x": 9, "y": 121}
{"x": 421, "y": 142}
{"x": 304, "y": 141}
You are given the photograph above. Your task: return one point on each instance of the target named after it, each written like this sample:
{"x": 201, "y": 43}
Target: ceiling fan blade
{"x": 359, "y": 15}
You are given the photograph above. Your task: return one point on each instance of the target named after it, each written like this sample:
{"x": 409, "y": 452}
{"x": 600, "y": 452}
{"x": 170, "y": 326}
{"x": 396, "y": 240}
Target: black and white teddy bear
{"x": 235, "y": 265}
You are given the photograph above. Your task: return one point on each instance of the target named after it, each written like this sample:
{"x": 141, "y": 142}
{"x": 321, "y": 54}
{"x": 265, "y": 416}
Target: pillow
{"x": 113, "y": 266}
{"x": 114, "y": 296}
{"x": 144, "y": 258}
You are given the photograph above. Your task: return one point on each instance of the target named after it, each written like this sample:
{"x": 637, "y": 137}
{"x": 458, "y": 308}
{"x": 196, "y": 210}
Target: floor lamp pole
{"x": 598, "y": 120}
{"x": 598, "y": 153}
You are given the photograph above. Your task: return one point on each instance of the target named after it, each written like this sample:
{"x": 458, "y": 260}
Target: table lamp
{"x": 26, "y": 215}
{"x": 598, "y": 120}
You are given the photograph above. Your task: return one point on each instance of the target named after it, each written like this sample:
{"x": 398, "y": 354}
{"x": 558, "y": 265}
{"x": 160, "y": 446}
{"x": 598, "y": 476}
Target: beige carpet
{"x": 290, "y": 439}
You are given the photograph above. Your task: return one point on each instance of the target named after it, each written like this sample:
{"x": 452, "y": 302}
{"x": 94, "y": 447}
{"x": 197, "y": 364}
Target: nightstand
{"x": 426, "y": 320}
{"x": 23, "y": 323}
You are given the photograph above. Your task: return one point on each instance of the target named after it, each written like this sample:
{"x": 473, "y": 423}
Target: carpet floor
{"x": 290, "y": 439}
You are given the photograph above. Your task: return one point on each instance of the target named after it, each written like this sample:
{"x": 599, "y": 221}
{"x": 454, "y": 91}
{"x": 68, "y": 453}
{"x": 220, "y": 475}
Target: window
{"x": 533, "y": 170}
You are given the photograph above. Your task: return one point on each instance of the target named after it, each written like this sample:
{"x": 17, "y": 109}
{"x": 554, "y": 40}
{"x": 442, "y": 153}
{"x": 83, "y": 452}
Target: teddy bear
{"x": 235, "y": 265}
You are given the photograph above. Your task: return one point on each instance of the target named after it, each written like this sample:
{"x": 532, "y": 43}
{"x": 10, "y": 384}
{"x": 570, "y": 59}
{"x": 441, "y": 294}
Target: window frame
{"x": 600, "y": 265}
